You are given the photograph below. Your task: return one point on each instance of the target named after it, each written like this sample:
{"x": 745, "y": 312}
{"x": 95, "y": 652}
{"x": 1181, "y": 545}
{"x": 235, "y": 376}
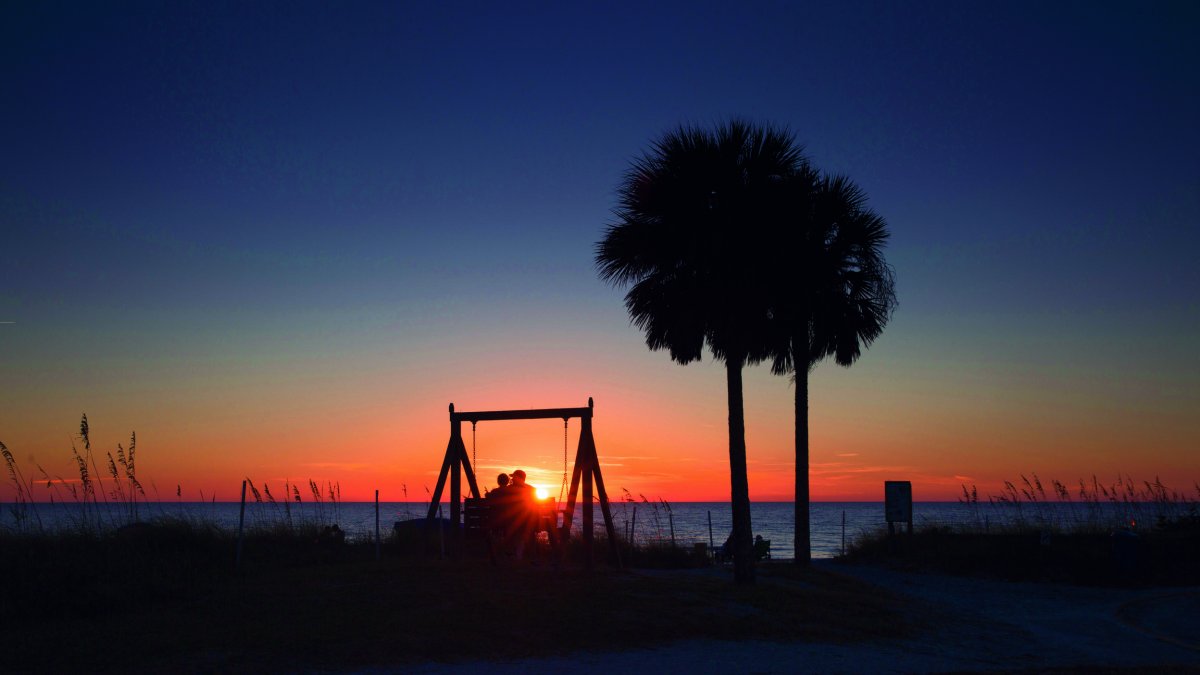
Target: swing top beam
{"x": 535, "y": 414}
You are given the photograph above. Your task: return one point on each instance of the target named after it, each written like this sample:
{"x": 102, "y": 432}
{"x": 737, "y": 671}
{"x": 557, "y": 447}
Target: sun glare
{"x": 541, "y": 493}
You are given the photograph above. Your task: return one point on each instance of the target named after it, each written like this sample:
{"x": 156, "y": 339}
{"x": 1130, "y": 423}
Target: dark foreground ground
{"x": 951, "y": 624}
{"x": 336, "y": 609}
{"x": 170, "y": 601}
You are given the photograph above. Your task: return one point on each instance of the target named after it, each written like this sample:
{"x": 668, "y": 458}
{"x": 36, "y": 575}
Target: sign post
{"x": 897, "y": 497}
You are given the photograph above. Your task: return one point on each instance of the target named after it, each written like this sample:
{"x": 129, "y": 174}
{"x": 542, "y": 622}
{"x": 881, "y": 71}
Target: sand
{"x": 961, "y": 625}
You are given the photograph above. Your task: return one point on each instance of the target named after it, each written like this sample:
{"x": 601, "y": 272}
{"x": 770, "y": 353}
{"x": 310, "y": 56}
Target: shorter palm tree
{"x": 834, "y": 294}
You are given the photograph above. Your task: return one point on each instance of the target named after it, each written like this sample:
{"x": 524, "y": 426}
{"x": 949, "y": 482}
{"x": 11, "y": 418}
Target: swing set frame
{"x": 585, "y": 472}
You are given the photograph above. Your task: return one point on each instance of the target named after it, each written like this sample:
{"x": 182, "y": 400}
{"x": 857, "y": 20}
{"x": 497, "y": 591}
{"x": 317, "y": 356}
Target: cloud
{"x": 756, "y": 462}
{"x": 847, "y": 454}
{"x": 828, "y": 469}
{"x": 340, "y": 466}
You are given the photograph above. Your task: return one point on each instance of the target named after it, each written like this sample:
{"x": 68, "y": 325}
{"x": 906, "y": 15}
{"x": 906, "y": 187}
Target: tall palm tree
{"x": 834, "y": 299}
{"x": 692, "y": 217}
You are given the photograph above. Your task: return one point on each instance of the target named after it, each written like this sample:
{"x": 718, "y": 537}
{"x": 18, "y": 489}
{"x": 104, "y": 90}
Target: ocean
{"x": 832, "y": 523}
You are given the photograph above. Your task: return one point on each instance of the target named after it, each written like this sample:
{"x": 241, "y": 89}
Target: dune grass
{"x": 1123, "y": 533}
{"x": 124, "y": 587}
{"x": 167, "y": 597}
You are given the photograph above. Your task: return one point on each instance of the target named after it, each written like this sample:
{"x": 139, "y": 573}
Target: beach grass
{"x": 167, "y": 597}
{"x": 137, "y": 589}
{"x": 1123, "y": 533}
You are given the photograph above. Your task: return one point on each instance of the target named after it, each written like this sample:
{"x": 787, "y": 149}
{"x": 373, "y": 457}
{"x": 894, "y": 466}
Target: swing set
{"x": 585, "y": 472}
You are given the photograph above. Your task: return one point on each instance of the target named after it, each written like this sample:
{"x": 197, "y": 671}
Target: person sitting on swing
{"x": 522, "y": 513}
{"x": 501, "y": 485}
{"x": 500, "y": 508}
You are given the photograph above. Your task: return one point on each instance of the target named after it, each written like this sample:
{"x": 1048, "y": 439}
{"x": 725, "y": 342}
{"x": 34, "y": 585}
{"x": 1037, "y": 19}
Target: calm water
{"x": 648, "y": 522}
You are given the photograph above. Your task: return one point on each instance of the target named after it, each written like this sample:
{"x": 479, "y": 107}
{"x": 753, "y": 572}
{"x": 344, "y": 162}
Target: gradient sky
{"x": 277, "y": 240}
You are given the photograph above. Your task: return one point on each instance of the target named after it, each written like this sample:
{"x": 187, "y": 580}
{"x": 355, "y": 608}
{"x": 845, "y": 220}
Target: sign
{"x": 897, "y": 501}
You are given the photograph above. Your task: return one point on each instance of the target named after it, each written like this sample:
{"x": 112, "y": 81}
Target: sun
{"x": 541, "y": 493}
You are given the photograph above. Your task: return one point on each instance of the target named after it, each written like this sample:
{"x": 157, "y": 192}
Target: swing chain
{"x": 563, "y": 488}
{"x": 474, "y": 467}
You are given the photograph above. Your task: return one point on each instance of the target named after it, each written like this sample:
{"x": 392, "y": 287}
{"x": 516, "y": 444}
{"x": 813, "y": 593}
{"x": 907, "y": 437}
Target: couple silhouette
{"x": 513, "y": 513}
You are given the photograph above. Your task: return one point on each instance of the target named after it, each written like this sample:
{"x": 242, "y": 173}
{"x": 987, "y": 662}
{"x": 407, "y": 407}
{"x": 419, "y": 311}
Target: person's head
{"x": 518, "y": 477}
{"x": 502, "y": 480}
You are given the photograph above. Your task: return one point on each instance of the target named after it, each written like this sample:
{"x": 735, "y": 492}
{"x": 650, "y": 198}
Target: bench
{"x": 479, "y": 515}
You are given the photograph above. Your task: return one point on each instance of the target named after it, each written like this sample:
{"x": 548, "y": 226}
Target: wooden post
{"x": 456, "y": 460}
{"x": 605, "y": 510}
{"x": 671, "y": 520}
{"x": 441, "y": 482}
{"x": 441, "y": 533}
{"x": 712, "y": 546}
{"x": 455, "y": 473}
{"x": 241, "y": 527}
{"x": 633, "y": 529}
{"x": 587, "y": 510}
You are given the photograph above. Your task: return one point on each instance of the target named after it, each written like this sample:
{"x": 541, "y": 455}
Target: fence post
{"x": 843, "y": 533}
{"x": 441, "y": 534}
{"x": 241, "y": 527}
{"x": 633, "y": 529}
{"x": 712, "y": 547}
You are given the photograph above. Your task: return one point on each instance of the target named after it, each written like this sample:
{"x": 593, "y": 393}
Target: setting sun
{"x": 541, "y": 493}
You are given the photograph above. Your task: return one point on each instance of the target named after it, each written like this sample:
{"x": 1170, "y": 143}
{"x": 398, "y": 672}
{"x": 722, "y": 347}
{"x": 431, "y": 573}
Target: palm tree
{"x": 692, "y": 216}
{"x": 834, "y": 298}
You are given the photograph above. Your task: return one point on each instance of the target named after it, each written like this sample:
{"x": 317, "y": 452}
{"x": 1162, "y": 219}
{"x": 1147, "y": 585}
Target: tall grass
{"x": 109, "y": 495}
{"x": 650, "y": 544}
{"x": 1120, "y": 533}
{"x": 1089, "y": 507}
{"x": 268, "y": 513}
{"x": 23, "y": 505}
{"x": 122, "y": 487}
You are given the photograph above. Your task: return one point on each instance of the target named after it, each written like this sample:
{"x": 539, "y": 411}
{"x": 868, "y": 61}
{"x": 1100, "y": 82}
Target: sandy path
{"x": 962, "y": 624}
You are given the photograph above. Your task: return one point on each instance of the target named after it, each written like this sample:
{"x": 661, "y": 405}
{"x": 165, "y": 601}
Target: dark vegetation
{"x": 1120, "y": 534}
{"x": 166, "y": 596}
{"x": 123, "y": 586}
{"x": 1122, "y": 558}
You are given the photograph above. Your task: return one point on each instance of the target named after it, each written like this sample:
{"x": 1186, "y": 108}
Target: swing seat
{"x": 476, "y": 514}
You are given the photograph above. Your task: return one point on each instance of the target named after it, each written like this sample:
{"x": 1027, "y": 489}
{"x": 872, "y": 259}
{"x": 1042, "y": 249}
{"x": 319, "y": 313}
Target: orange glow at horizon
{"x": 663, "y": 437}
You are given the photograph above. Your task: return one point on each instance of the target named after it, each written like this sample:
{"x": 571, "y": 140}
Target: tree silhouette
{"x": 692, "y": 220}
{"x": 834, "y": 295}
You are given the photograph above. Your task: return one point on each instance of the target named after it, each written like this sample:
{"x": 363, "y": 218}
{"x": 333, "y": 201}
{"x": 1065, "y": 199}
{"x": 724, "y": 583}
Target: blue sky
{"x": 307, "y": 187}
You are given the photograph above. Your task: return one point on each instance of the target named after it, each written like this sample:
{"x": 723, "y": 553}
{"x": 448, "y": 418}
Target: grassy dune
{"x": 166, "y": 597}
{"x": 1120, "y": 534}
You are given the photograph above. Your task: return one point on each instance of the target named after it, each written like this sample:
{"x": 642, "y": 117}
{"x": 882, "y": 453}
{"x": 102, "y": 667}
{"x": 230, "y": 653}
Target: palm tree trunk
{"x": 803, "y": 545}
{"x": 739, "y": 484}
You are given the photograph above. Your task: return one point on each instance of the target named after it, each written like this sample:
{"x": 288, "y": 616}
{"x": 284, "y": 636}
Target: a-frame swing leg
{"x": 454, "y": 465}
{"x": 447, "y": 462}
{"x": 604, "y": 509}
{"x": 587, "y": 470}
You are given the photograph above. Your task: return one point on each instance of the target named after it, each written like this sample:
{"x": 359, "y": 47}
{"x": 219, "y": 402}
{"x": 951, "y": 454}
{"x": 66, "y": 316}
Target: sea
{"x": 834, "y": 525}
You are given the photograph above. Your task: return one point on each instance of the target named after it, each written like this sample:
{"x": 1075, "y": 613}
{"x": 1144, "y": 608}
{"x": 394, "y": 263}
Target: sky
{"x": 277, "y": 239}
